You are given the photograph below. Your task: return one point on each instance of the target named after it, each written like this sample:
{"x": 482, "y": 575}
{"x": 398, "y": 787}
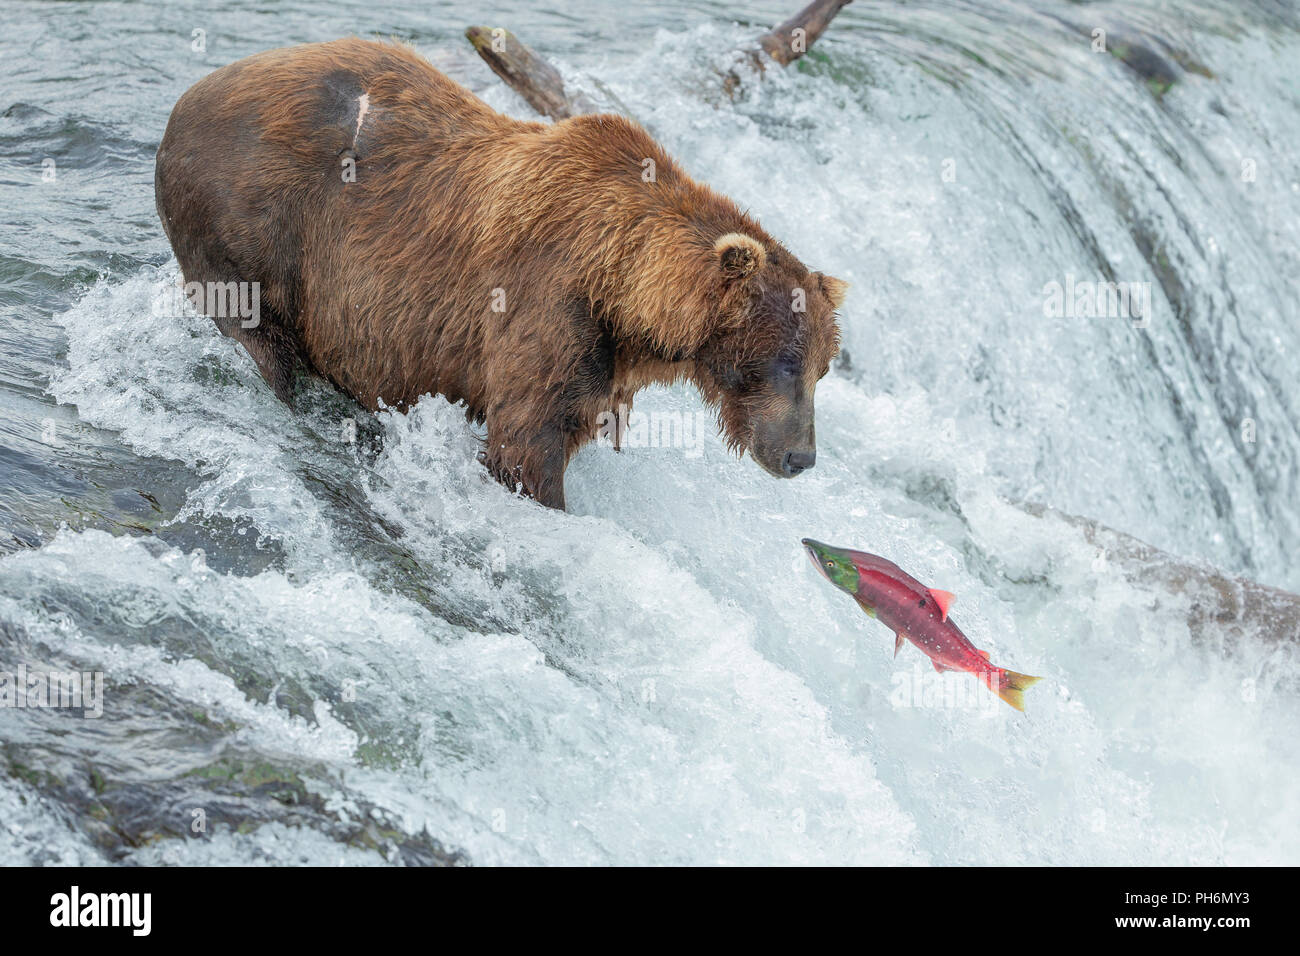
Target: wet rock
{"x": 158, "y": 769}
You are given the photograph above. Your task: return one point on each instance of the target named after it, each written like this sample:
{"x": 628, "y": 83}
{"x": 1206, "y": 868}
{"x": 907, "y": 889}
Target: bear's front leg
{"x": 551, "y": 377}
{"x": 531, "y": 462}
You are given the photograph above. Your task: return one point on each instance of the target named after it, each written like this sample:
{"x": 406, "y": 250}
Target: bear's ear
{"x": 835, "y": 289}
{"x": 739, "y": 255}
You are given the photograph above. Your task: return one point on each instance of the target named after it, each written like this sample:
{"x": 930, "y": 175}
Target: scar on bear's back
{"x": 363, "y": 107}
{"x": 344, "y": 104}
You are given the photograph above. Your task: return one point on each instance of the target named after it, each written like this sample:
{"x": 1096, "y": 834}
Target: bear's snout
{"x": 784, "y": 448}
{"x": 795, "y": 462}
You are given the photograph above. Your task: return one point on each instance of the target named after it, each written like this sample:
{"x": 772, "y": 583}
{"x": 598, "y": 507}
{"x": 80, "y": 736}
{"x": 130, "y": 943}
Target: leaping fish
{"x": 915, "y": 612}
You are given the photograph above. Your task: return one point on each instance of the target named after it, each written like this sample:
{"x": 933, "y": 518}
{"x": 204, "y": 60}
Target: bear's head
{"x": 770, "y": 344}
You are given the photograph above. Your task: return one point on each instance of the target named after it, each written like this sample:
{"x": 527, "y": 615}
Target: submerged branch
{"x": 1220, "y": 604}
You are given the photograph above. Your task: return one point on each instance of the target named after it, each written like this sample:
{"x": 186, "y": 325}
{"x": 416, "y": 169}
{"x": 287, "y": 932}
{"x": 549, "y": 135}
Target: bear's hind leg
{"x": 241, "y": 309}
{"x": 274, "y": 351}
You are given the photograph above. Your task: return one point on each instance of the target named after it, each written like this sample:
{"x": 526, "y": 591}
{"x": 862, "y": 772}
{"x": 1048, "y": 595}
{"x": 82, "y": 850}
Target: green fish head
{"x": 835, "y": 564}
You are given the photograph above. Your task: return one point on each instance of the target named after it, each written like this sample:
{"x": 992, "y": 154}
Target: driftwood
{"x": 541, "y": 85}
{"x": 788, "y": 41}
{"x": 526, "y": 73}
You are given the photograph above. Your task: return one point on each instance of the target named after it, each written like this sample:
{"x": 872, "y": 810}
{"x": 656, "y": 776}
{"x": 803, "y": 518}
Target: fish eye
{"x": 830, "y": 564}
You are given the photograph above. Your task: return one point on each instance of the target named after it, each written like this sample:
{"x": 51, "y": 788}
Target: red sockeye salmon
{"x": 915, "y": 612}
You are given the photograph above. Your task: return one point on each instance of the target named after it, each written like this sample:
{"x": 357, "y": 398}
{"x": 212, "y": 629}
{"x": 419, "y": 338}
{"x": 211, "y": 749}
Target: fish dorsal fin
{"x": 898, "y": 642}
{"x": 944, "y": 599}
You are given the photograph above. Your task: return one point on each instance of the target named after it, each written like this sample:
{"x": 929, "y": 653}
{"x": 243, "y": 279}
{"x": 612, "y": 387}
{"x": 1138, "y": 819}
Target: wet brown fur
{"x": 385, "y": 286}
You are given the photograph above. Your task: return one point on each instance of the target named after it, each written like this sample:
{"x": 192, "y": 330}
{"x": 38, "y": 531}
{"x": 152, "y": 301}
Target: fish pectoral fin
{"x": 871, "y": 611}
{"x": 940, "y": 667}
{"x": 898, "y": 642}
{"x": 944, "y": 599}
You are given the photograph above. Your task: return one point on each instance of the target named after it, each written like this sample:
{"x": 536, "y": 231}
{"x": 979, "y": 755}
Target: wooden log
{"x": 788, "y": 41}
{"x": 541, "y": 85}
{"x": 536, "y": 80}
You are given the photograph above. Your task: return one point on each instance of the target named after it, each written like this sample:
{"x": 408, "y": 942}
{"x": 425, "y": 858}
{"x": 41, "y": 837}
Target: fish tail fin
{"x": 1011, "y": 686}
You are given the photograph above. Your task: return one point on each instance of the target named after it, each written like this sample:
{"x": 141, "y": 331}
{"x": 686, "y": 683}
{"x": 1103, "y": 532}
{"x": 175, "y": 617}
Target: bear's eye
{"x": 787, "y": 366}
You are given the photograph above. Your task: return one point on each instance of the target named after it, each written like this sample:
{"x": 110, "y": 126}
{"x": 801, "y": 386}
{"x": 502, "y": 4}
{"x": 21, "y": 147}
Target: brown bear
{"x": 407, "y": 239}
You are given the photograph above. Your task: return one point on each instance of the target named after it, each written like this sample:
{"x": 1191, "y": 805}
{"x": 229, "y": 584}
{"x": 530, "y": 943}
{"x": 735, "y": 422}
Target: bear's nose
{"x": 797, "y": 461}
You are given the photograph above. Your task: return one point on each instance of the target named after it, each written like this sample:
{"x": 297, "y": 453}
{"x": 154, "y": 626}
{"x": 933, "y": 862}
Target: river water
{"x": 326, "y": 637}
